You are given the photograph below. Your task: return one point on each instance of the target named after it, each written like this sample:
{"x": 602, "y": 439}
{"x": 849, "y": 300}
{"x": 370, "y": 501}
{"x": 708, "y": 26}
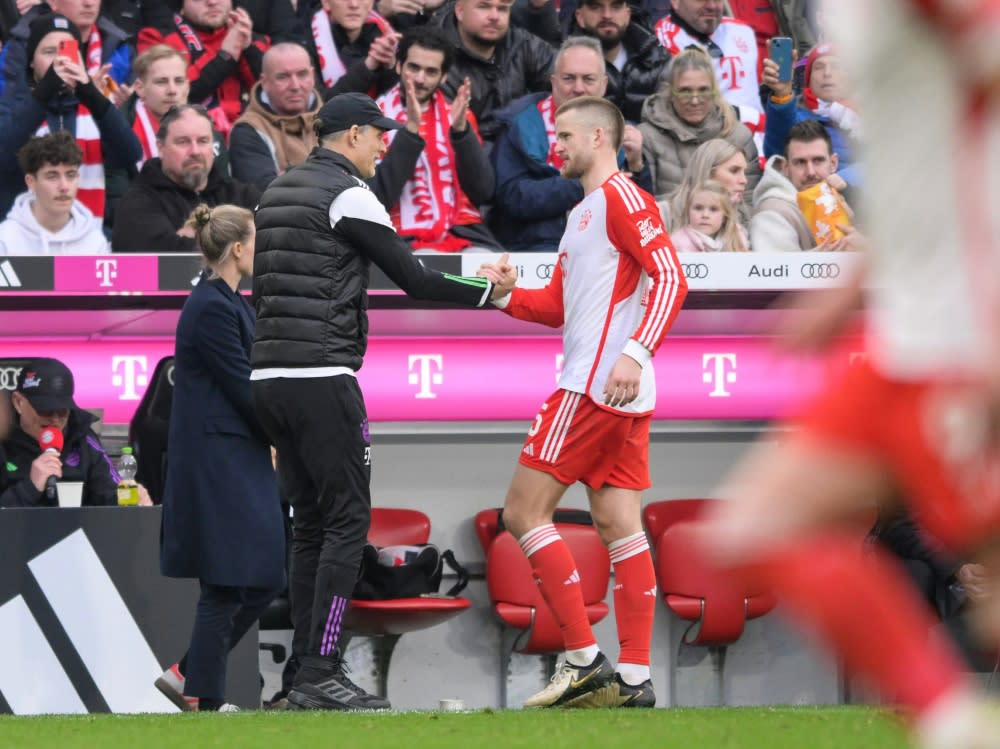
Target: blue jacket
{"x": 782, "y": 117}
{"x": 14, "y": 55}
{"x": 222, "y": 519}
{"x": 21, "y": 114}
{"x": 532, "y": 199}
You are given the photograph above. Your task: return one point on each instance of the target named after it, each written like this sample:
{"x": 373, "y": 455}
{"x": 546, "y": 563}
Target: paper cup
{"x": 451, "y": 706}
{"x": 70, "y": 493}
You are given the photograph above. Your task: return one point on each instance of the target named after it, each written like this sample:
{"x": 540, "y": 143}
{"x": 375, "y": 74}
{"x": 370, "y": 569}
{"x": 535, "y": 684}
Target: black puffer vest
{"x": 310, "y": 286}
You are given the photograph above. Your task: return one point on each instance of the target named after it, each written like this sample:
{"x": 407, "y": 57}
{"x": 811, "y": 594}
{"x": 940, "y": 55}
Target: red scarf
{"x": 93, "y": 57}
{"x": 432, "y": 200}
{"x": 88, "y": 137}
{"x": 145, "y": 126}
{"x": 547, "y": 109}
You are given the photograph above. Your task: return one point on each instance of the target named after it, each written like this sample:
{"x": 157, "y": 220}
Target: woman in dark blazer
{"x": 222, "y": 521}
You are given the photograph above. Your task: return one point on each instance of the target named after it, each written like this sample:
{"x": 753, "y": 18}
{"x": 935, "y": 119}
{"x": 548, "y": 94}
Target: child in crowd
{"x": 709, "y": 222}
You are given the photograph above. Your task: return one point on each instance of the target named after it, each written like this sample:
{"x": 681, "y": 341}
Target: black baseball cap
{"x": 344, "y": 111}
{"x": 47, "y": 384}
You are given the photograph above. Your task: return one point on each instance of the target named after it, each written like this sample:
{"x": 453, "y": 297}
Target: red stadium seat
{"x": 714, "y": 603}
{"x": 388, "y": 620}
{"x": 515, "y": 596}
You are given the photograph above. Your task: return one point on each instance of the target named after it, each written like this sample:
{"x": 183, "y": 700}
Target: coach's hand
{"x": 622, "y": 386}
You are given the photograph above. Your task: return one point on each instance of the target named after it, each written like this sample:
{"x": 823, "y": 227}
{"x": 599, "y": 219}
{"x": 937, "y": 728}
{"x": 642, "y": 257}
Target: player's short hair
{"x": 145, "y": 61}
{"x": 808, "y": 131}
{"x": 56, "y": 148}
{"x": 599, "y": 113}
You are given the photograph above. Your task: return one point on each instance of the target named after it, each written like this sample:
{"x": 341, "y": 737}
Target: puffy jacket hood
{"x": 774, "y": 184}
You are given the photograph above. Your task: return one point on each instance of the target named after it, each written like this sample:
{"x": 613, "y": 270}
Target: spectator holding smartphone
{"x": 824, "y": 98}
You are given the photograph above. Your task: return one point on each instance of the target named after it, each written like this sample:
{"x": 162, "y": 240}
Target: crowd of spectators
{"x": 206, "y": 101}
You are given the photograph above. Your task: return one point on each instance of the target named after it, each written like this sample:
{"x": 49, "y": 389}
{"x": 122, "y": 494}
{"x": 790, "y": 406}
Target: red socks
{"x": 863, "y": 606}
{"x": 559, "y": 582}
{"x": 635, "y": 597}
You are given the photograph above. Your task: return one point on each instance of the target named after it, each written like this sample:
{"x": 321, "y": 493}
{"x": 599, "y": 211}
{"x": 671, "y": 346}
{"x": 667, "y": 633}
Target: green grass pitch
{"x": 703, "y": 728}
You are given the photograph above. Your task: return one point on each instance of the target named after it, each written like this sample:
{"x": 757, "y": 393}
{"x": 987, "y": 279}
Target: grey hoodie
{"x": 21, "y": 233}
{"x": 771, "y": 226}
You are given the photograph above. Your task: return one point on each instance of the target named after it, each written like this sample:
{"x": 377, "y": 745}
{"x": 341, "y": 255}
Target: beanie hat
{"x": 44, "y": 25}
{"x": 820, "y": 50}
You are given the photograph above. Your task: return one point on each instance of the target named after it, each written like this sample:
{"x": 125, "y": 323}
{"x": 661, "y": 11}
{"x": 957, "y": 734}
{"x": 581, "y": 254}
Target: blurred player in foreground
{"x": 919, "y": 414}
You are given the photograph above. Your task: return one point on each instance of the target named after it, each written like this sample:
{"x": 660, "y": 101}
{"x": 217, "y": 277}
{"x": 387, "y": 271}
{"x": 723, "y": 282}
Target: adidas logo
{"x": 8, "y": 276}
{"x": 573, "y": 578}
{"x": 529, "y": 449}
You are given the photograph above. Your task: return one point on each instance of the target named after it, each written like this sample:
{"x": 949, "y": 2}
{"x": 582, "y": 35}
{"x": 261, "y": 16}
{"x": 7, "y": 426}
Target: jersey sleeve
{"x": 635, "y": 228}
{"x": 543, "y": 305}
{"x": 973, "y": 26}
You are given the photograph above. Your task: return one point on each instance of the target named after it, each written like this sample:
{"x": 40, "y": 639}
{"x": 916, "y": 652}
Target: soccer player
{"x": 917, "y": 418}
{"x": 616, "y": 288}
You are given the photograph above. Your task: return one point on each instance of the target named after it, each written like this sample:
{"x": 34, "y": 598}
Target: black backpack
{"x": 406, "y": 572}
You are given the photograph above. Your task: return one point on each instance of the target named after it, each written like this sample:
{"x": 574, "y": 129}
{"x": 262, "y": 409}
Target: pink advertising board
{"x": 474, "y": 379}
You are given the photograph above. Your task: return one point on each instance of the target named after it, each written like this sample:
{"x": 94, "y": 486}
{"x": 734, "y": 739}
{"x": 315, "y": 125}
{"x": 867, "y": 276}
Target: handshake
{"x": 502, "y": 274}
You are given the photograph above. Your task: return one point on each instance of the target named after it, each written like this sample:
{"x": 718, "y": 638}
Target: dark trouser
{"x": 320, "y": 428}
{"x": 223, "y": 616}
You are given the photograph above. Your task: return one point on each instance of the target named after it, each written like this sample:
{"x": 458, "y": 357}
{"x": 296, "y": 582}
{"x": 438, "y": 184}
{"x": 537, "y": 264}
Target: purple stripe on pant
{"x": 332, "y": 632}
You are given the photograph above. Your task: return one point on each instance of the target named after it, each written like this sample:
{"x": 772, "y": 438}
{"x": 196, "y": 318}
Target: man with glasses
{"x": 532, "y": 198}
{"x": 730, "y": 44}
{"x": 152, "y": 213}
{"x": 43, "y": 398}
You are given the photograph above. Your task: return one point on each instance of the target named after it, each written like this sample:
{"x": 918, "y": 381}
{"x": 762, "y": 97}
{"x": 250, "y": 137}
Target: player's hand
{"x": 632, "y": 143}
{"x": 460, "y": 106}
{"x": 975, "y": 581}
{"x": 45, "y": 465}
{"x": 502, "y": 274}
{"x": 622, "y": 386}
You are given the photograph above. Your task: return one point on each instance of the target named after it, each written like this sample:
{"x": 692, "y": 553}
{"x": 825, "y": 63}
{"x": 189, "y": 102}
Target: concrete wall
{"x": 453, "y": 471}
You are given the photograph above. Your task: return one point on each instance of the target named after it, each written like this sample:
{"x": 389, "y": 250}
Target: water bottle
{"x": 128, "y": 489}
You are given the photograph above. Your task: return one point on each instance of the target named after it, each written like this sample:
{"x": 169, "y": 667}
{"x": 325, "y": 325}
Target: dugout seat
{"x": 388, "y": 620}
{"x": 147, "y": 432}
{"x": 515, "y": 596}
{"x": 716, "y": 606}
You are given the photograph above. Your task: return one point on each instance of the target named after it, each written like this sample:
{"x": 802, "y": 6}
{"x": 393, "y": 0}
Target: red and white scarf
{"x": 88, "y": 137}
{"x": 145, "y": 126}
{"x": 330, "y": 65}
{"x": 547, "y": 109}
{"x": 93, "y": 51}
{"x": 432, "y": 200}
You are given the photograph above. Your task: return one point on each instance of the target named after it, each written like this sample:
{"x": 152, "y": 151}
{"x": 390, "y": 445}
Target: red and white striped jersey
{"x": 735, "y": 70}
{"x": 616, "y": 288}
{"x": 932, "y": 179}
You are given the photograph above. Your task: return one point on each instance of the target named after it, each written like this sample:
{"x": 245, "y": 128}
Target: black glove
{"x": 50, "y": 86}
{"x": 88, "y": 95}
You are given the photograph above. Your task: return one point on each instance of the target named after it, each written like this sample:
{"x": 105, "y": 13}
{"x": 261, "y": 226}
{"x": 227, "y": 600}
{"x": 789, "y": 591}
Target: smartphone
{"x": 70, "y": 49}
{"x": 780, "y": 50}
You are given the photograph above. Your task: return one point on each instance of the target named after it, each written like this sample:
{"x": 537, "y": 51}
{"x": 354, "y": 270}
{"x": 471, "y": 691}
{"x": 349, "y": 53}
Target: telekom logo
{"x": 129, "y": 375}
{"x": 423, "y": 376}
{"x": 107, "y": 271}
{"x": 719, "y": 371}
{"x": 731, "y": 72}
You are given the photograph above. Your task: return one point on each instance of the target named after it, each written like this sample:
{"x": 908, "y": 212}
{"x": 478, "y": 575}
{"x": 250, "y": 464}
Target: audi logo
{"x": 820, "y": 270}
{"x": 695, "y": 271}
{"x": 8, "y": 377}
{"x": 544, "y": 272}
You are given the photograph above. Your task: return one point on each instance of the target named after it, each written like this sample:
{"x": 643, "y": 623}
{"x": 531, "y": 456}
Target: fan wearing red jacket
{"x": 616, "y": 289}
{"x": 224, "y": 55}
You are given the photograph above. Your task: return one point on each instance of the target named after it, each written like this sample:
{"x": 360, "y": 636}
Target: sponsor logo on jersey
{"x": 648, "y": 231}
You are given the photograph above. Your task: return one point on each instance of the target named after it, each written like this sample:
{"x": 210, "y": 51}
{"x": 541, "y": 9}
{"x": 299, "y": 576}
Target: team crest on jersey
{"x": 741, "y": 45}
{"x": 584, "y": 219}
{"x": 648, "y": 231}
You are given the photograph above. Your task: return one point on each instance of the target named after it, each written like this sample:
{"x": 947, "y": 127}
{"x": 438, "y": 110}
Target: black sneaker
{"x": 572, "y": 684}
{"x": 322, "y": 684}
{"x": 619, "y": 694}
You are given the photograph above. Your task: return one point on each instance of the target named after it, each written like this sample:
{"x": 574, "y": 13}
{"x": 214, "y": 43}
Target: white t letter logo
{"x": 716, "y": 374}
{"x": 132, "y": 375}
{"x": 423, "y": 376}
{"x": 107, "y": 271}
